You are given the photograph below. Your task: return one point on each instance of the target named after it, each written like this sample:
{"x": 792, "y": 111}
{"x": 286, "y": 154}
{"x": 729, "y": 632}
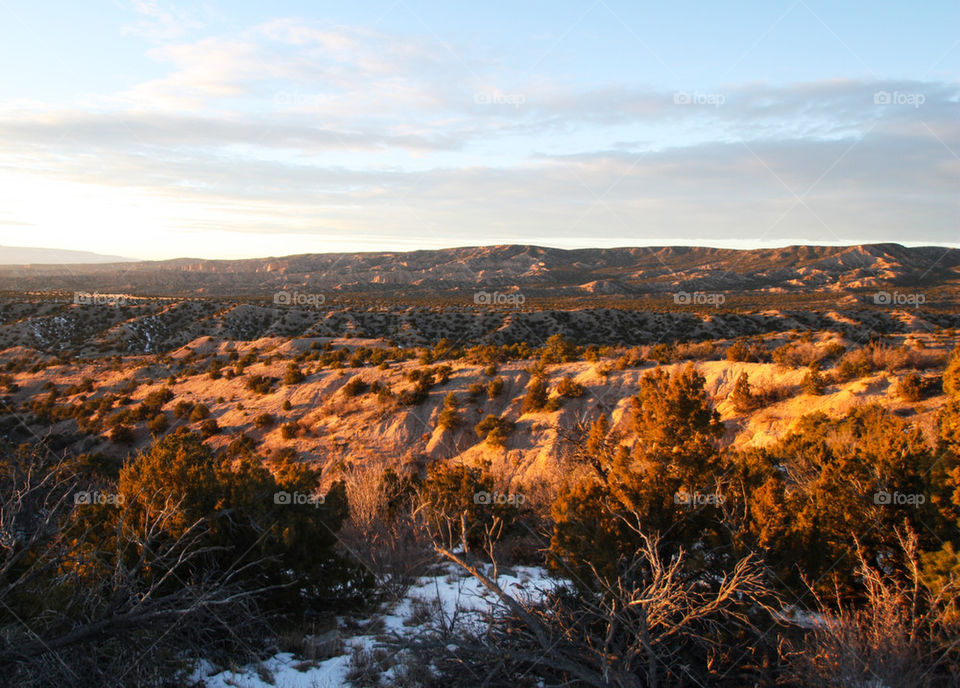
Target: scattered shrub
{"x": 743, "y": 352}
{"x": 158, "y": 424}
{"x": 558, "y": 350}
{"x": 698, "y": 351}
{"x": 536, "y": 396}
{"x": 293, "y": 375}
{"x": 813, "y": 382}
{"x": 199, "y": 412}
{"x": 449, "y": 417}
{"x": 662, "y": 353}
{"x": 209, "y": 427}
{"x": 914, "y": 387}
{"x": 355, "y": 386}
{"x": 264, "y": 420}
{"x": 122, "y": 434}
{"x": 183, "y": 408}
{"x": 260, "y": 384}
{"x": 289, "y": 430}
{"x": 383, "y": 392}
{"x": 570, "y": 388}
{"x": 742, "y": 396}
{"x": 798, "y": 354}
{"x": 494, "y": 430}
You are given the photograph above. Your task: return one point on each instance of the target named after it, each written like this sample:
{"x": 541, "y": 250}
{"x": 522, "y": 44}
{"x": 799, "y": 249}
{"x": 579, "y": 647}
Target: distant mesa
{"x": 32, "y": 255}
{"x": 457, "y": 273}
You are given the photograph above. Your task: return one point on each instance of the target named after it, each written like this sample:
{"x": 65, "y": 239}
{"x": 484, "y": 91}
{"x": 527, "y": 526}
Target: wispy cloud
{"x": 300, "y": 128}
{"x": 162, "y": 21}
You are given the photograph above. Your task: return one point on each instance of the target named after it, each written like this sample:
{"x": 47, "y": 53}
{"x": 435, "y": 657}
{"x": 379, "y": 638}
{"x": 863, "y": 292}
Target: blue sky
{"x": 155, "y": 129}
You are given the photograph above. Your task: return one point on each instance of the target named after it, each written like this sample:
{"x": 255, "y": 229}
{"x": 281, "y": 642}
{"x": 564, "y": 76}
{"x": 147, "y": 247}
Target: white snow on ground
{"x": 450, "y": 597}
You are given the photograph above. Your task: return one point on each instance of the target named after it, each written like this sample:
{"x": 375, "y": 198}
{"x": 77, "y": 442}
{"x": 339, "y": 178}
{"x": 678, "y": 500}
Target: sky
{"x": 154, "y": 129}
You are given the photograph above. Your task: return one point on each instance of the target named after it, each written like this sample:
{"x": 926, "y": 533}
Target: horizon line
{"x": 726, "y": 246}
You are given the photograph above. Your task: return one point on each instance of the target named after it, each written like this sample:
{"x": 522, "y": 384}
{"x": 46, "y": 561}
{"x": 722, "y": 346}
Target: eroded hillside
{"x": 333, "y": 402}
{"x": 152, "y": 325}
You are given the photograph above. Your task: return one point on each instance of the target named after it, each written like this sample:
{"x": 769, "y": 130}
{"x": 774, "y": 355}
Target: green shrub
{"x": 289, "y": 430}
{"x": 909, "y": 387}
{"x": 154, "y": 401}
{"x": 260, "y": 384}
{"x": 183, "y": 408}
{"x": 494, "y": 430}
{"x": 798, "y": 354}
{"x": 158, "y": 424}
{"x": 536, "y": 396}
{"x": 199, "y": 412}
{"x": 241, "y": 445}
{"x": 122, "y": 434}
{"x": 661, "y": 353}
{"x": 355, "y": 386}
{"x": 813, "y": 382}
{"x": 455, "y": 494}
{"x": 570, "y": 388}
{"x": 264, "y": 420}
{"x": 742, "y": 396}
{"x": 234, "y": 500}
{"x": 293, "y": 375}
{"x": 209, "y": 428}
{"x": 558, "y": 350}
{"x": 417, "y": 395}
{"x": 740, "y": 351}
{"x": 854, "y": 364}
{"x": 449, "y": 417}
{"x": 382, "y": 391}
